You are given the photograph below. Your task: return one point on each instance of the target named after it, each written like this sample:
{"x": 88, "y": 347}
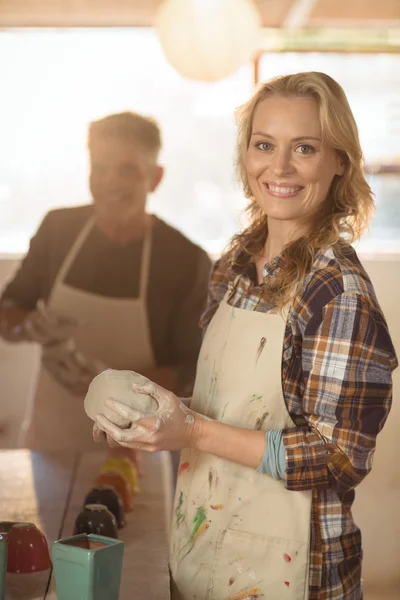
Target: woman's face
{"x": 289, "y": 167}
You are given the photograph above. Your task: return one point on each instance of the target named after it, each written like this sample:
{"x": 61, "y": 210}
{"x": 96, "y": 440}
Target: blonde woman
{"x": 294, "y": 379}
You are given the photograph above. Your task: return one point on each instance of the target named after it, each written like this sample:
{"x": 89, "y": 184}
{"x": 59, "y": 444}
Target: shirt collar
{"x": 273, "y": 267}
{"x": 245, "y": 265}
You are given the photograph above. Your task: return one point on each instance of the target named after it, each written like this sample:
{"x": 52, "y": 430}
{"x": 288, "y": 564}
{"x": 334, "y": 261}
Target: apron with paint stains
{"x": 236, "y": 533}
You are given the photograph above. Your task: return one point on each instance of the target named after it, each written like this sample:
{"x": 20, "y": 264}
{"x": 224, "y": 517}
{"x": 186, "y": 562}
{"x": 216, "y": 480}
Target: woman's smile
{"x": 282, "y": 190}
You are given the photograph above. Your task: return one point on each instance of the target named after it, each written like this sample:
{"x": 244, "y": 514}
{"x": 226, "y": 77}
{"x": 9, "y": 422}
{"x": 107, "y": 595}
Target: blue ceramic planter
{"x": 3, "y": 567}
{"x": 87, "y": 567}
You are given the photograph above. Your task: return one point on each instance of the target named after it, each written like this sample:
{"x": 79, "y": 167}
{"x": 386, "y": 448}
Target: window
{"x": 56, "y": 81}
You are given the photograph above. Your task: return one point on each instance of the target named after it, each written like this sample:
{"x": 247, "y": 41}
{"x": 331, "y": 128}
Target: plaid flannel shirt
{"x": 337, "y": 362}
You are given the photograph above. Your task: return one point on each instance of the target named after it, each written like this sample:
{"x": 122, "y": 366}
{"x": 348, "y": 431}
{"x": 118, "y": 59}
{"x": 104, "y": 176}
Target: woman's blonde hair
{"x": 345, "y": 214}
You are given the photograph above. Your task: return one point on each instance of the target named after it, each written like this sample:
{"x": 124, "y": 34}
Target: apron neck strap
{"x": 145, "y": 265}
{"x": 69, "y": 259}
{"x": 77, "y": 245}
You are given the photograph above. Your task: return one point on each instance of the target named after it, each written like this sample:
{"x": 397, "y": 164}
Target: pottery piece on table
{"x": 120, "y": 485}
{"x": 106, "y": 495}
{"x": 124, "y": 466}
{"x": 5, "y": 527}
{"x": 123, "y": 452}
{"x": 27, "y": 586}
{"x": 96, "y": 519}
{"x": 87, "y": 567}
{"x": 117, "y": 385}
{"x": 28, "y": 551}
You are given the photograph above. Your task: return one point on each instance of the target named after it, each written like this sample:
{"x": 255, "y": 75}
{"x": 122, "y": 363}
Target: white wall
{"x": 376, "y": 508}
{"x": 378, "y": 498}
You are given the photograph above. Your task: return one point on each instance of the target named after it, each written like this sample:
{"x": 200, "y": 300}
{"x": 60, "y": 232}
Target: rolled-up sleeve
{"x": 347, "y": 362}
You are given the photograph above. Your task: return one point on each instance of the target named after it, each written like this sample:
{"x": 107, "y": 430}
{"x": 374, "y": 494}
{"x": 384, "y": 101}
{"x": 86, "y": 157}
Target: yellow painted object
{"x": 126, "y": 468}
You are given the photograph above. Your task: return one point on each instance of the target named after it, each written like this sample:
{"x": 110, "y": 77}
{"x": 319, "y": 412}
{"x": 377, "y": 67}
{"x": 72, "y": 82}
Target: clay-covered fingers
{"x": 124, "y": 411}
{"x": 112, "y": 443}
{"x": 101, "y": 436}
{"x": 160, "y": 394}
{"x": 131, "y": 434}
{"x": 98, "y": 434}
{"x": 149, "y": 388}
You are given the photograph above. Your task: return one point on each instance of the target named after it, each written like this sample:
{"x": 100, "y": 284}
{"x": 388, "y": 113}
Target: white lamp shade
{"x": 208, "y": 40}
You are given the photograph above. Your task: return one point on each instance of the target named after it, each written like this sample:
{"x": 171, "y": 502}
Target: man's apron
{"x": 114, "y": 331}
{"x": 236, "y": 533}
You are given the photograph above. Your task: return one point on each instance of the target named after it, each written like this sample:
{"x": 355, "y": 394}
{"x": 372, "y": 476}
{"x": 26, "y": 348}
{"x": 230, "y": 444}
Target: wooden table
{"x": 49, "y": 489}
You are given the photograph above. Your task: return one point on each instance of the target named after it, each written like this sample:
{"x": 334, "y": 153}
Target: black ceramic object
{"x": 106, "y": 495}
{"x": 97, "y": 519}
{"x": 5, "y": 527}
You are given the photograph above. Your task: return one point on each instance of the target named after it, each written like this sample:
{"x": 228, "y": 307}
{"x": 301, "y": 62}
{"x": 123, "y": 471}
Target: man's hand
{"x": 11, "y": 319}
{"x": 69, "y": 367}
{"x": 42, "y": 325}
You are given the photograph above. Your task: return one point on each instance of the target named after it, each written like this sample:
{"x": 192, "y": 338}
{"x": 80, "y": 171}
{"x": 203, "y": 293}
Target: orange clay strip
{"x": 245, "y": 594}
{"x": 200, "y": 530}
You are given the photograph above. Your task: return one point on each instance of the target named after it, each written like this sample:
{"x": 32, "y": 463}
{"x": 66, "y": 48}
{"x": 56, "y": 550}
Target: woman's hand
{"x": 173, "y": 427}
{"x": 118, "y": 451}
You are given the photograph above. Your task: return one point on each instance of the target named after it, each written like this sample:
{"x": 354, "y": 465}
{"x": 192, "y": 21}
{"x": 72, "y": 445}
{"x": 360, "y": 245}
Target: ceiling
{"x": 380, "y": 14}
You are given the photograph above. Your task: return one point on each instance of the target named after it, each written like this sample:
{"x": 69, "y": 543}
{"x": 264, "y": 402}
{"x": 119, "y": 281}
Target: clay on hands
{"x": 45, "y": 327}
{"x": 119, "y": 386}
{"x": 69, "y": 367}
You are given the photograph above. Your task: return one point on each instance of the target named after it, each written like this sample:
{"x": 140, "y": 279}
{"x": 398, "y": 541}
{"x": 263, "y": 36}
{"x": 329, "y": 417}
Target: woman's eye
{"x": 263, "y": 146}
{"x": 305, "y": 149}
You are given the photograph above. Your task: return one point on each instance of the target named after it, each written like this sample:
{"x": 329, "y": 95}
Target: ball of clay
{"x": 117, "y": 385}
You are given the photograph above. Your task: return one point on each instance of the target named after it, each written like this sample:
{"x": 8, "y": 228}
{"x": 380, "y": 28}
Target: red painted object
{"x": 28, "y": 551}
{"x": 183, "y": 467}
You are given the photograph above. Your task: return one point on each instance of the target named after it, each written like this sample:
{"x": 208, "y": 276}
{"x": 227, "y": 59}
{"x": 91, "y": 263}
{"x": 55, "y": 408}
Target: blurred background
{"x": 64, "y": 63}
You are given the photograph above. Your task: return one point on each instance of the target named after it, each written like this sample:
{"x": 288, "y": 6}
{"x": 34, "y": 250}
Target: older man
{"x": 107, "y": 285}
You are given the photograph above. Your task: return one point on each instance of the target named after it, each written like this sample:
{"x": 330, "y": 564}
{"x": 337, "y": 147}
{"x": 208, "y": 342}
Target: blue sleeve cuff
{"x": 274, "y": 460}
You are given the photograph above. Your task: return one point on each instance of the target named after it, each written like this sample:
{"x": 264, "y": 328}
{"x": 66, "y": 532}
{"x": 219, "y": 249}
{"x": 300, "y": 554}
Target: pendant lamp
{"x": 208, "y": 40}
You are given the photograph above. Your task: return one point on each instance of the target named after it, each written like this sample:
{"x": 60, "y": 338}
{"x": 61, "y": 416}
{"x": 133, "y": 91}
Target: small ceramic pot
{"x": 87, "y": 567}
{"x": 5, "y": 527}
{"x": 28, "y": 551}
{"x": 3, "y": 567}
{"x": 106, "y": 495}
{"x": 96, "y": 519}
{"x": 120, "y": 485}
{"x": 122, "y": 452}
{"x": 126, "y": 468}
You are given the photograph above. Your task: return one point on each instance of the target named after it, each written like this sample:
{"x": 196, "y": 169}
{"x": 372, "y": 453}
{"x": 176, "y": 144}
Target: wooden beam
{"x": 299, "y": 14}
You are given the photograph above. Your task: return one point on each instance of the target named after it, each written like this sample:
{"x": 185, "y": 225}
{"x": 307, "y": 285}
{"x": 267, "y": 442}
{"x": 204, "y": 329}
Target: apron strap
{"x": 71, "y": 255}
{"x": 77, "y": 245}
{"x": 145, "y": 265}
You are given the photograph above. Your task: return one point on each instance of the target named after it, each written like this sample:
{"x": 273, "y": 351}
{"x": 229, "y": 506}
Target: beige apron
{"x": 236, "y": 533}
{"x": 114, "y": 331}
